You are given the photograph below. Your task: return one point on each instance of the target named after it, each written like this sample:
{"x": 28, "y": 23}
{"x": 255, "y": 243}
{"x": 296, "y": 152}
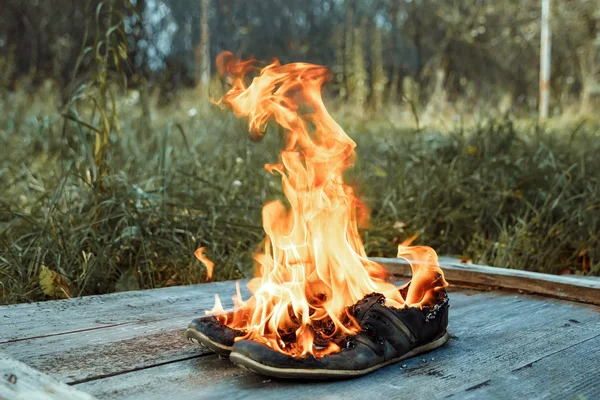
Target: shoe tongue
{"x": 360, "y": 309}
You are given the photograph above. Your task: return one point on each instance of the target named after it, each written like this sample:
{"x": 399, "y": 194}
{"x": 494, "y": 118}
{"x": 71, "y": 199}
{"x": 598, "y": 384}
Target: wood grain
{"x": 23, "y": 321}
{"x": 147, "y": 329}
{"x": 19, "y": 381}
{"x": 58, "y": 317}
{"x": 571, "y": 373}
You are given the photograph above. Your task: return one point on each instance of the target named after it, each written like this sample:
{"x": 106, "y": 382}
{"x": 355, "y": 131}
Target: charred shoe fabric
{"x": 388, "y": 335}
{"x": 210, "y": 333}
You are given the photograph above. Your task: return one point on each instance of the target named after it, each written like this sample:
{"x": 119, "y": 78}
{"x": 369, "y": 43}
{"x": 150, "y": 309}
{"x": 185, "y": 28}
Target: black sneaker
{"x": 212, "y": 334}
{"x": 388, "y": 335}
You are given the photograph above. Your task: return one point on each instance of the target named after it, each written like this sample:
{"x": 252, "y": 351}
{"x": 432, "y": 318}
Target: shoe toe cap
{"x": 214, "y": 330}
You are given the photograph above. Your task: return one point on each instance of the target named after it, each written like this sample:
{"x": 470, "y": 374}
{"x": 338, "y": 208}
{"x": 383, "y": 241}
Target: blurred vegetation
{"x": 115, "y": 167}
{"x": 516, "y": 196}
{"x": 461, "y": 54}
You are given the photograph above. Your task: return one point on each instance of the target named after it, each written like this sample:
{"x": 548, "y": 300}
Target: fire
{"x": 204, "y": 260}
{"x": 313, "y": 266}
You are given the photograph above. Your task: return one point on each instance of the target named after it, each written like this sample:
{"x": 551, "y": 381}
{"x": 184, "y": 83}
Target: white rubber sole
{"x": 302, "y": 373}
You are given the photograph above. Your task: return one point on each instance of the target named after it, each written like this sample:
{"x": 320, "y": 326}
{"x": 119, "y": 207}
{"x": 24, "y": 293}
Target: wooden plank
{"x": 146, "y": 329}
{"x": 19, "y": 381}
{"x": 571, "y": 373}
{"x": 561, "y": 286}
{"x": 154, "y": 334}
{"x": 493, "y": 334}
{"x": 23, "y": 321}
{"x": 103, "y": 352}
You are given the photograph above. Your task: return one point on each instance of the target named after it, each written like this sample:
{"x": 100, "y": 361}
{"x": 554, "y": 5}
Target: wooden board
{"x": 585, "y": 290}
{"x": 24, "y": 321}
{"x": 70, "y": 339}
{"x": 83, "y": 356}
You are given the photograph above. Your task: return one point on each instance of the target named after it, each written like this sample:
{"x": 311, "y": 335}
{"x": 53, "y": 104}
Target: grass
{"x": 498, "y": 193}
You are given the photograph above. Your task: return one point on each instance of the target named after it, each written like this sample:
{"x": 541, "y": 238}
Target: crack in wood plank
{"x": 65, "y": 333}
{"x": 82, "y": 313}
{"x": 568, "y": 373}
{"x": 530, "y": 364}
{"x": 110, "y": 375}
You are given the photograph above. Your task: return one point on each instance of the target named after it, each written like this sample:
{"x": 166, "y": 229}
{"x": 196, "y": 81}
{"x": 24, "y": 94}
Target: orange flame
{"x": 314, "y": 265}
{"x": 204, "y": 260}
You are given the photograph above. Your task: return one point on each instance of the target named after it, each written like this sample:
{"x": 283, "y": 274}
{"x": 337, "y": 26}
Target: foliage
{"x": 477, "y": 51}
{"x": 497, "y": 193}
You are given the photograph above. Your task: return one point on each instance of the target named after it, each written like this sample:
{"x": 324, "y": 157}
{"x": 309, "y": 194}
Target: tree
{"x": 578, "y": 26}
{"x": 359, "y": 70}
{"x": 204, "y": 48}
{"x": 378, "y": 75}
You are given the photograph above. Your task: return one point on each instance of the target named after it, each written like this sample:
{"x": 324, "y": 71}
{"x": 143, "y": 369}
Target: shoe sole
{"x": 202, "y": 340}
{"x": 252, "y": 365}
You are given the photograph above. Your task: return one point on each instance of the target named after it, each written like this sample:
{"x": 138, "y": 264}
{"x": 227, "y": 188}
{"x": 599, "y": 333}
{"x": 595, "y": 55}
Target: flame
{"x": 217, "y": 308}
{"x": 313, "y": 266}
{"x": 205, "y": 260}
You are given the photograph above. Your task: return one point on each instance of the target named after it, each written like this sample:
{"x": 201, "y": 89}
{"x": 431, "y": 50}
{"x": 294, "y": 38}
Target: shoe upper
{"x": 215, "y": 330}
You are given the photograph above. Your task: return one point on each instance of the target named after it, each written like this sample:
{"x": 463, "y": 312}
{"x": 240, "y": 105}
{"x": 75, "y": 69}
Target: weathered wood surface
{"x": 73, "y": 341}
{"x": 24, "y": 321}
{"x": 131, "y": 345}
{"x": 20, "y": 381}
{"x": 504, "y": 346}
{"x": 568, "y": 287}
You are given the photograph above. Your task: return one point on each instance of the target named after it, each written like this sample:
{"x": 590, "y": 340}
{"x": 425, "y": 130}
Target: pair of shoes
{"x": 387, "y": 335}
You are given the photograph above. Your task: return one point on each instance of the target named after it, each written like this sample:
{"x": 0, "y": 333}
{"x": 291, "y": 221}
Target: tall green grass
{"x": 517, "y": 197}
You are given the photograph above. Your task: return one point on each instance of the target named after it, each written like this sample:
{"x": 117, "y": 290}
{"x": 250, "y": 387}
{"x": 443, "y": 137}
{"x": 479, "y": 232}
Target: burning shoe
{"x": 388, "y": 335}
{"x": 212, "y": 334}
{"x": 319, "y": 307}
{"x": 217, "y": 331}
